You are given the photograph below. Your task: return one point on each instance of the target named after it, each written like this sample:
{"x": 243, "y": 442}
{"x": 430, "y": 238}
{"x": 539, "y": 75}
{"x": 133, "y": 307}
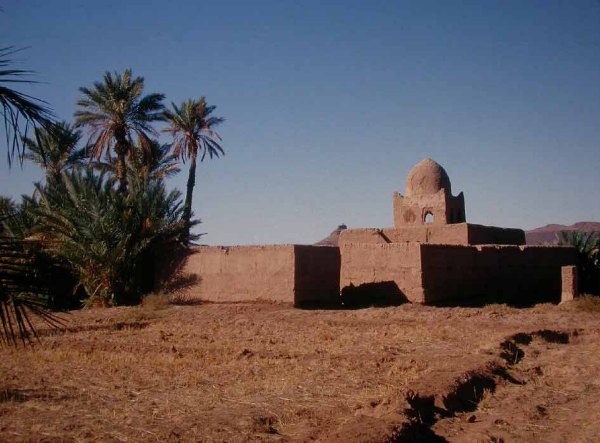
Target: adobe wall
{"x": 492, "y": 235}
{"x": 411, "y": 211}
{"x": 282, "y": 273}
{"x": 238, "y": 273}
{"x": 445, "y": 209}
{"x": 317, "y": 275}
{"x": 455, "y": 208}
{"x": 430, "y": 273}
{"x": 453, "y": 234}
{"x": 519, "y": 274}
{"x": 392, "y": 268}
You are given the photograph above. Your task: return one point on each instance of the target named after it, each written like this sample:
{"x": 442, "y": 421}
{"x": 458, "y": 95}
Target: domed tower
{"x": 428, "y": 198}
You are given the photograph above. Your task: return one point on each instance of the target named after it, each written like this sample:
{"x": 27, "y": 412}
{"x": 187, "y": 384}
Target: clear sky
{"x": 330, "y": 103}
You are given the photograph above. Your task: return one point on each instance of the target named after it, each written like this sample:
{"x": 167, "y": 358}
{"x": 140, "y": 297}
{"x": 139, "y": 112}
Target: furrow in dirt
{"x": 466, "y": 392}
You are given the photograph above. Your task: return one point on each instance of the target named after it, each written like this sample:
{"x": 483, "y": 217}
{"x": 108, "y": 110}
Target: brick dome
{"x": 427, "y": 177}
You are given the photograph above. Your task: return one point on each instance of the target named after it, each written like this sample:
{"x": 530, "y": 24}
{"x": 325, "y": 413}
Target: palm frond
{"x": 191, "y": 126}
{"x": 588, "y": 251}
{"x": 117, "y": 115}
{"x": 55, "y": 150}
{"x": 20, "y": 111}
{"x": 109, "y": 237}
{"x": 21, "y": 293}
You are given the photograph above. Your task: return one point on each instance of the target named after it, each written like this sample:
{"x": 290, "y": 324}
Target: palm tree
{"x": 157, "y": 162}
{"x": 109, "y": 238}
{"x": 19, "y": 111}
{"x": 191, "y": 125}
{"x": 56, "y": 150}
{"x": 114, "y": 111}
{"x": 16, "y": 220}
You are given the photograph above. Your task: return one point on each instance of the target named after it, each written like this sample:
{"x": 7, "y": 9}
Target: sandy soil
{"x": 264, "y": 372}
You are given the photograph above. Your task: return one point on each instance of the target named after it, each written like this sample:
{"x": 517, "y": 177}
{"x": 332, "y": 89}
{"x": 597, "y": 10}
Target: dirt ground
{"x": 267, "y": 372}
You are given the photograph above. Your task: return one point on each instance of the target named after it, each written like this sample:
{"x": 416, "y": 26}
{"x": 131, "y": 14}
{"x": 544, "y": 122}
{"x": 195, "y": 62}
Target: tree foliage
{"x": 96, "y": 226}
{"x": 55, "y": 151}
{"x": 116, "y": 113}
{"x": 23, "y": 288}
{"x": 22, "y": 292}
{"x": 588, "y": 250}
{"x": 156, "y": 162}
{"x": 108, "y": 237}
{"x": 20, "y": 111}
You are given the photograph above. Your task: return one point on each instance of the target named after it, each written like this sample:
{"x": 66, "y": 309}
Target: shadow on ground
{"x": 383, "y": 294}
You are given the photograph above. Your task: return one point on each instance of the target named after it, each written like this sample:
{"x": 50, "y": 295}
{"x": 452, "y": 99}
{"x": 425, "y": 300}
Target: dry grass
{"x": 243, "y": 371}
{"x": 155, "y": 301}
{"x": 587, "y": 303}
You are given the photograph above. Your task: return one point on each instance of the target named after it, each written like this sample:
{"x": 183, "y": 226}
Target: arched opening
{"x": 428, "y": 217}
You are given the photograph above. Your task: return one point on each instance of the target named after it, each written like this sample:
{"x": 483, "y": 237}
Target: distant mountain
{"x": 547, "y": 234}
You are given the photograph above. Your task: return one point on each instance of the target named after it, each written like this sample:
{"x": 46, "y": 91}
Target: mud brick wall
{"x": 317, "y": 275}
{"x": 237, "y": 273}
{"x": 519, "y": 274}
{"x": 445, "y": 234}
{"x": 281, "y": 273}
{"x": 430, "y": 273}
{"x": 570, "y": 288}
{"x": 453, "y": 272}
{"x": 453, "y": 234}
{"x": 394, "y": 267}
{"x": 492, "y": 235}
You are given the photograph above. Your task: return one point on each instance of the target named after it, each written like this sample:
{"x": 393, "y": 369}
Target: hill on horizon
{"x": 548, "y": 233}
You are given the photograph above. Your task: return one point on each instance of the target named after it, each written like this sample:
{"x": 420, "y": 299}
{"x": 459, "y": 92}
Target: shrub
{"x": 108, "y": 237}
{"x": 588, "y": 251}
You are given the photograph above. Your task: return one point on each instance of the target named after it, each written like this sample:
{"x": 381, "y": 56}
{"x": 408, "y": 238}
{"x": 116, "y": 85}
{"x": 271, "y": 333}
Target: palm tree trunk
{"x": 121, "y": 151}
{"x": 55, "y": 176}
{"x": 187, "y": 207}
{"x": 121, "y": 172}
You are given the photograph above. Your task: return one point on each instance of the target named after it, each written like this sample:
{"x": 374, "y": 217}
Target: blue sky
{"x": 328, "y": 104}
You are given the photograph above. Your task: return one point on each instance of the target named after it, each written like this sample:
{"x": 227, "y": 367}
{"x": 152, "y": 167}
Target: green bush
{"x": 588, "y": 251}
{"x": 109, "y": 238}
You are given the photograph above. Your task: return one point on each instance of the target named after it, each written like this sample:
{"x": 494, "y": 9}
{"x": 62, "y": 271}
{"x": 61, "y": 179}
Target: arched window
{"x": 428, "y": 217}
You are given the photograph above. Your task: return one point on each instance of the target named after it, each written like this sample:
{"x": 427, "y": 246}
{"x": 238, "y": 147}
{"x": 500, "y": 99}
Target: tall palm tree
{"x": 56, "y": 150}
{"x": 18, "y": 110}
{"x": 191, "y": 126}
{"x": 115, "y": 111}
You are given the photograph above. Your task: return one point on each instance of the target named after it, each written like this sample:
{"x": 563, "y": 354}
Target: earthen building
{"x": 431, "y": 255}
